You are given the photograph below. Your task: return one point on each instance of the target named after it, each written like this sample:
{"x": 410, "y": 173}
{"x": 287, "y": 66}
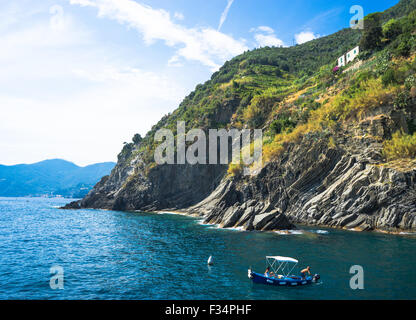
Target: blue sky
{"x": 80, "y": 77}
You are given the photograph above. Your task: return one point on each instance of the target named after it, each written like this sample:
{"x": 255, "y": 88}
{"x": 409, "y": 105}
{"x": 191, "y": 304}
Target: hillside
{"x": 50, "y": 177}
{"x": 338, "y": 147}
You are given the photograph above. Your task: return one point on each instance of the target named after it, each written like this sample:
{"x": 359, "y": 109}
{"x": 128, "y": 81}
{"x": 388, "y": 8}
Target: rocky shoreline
{"x": 342, "y": 186}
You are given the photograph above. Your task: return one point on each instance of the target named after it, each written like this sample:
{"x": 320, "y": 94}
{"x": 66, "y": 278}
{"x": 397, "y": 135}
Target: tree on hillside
{"x": 392, "y": 29}
{"x": 371, "y": 38}
{"x": 137, "y": 138}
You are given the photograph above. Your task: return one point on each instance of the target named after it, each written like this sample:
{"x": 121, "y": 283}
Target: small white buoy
{"x": 210, "y": 261}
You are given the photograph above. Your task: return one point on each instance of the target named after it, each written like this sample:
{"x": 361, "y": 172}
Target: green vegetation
{"x": 235, "y": 169}
{"x": 331, "y": 143}
{"x": 352, "y": 102}
{"x": 137, "y": 138}
{"x": 281, "y": 125}
{"x": 248, "y": 89}
{"x": 371, "y": 39}
{"x": 392, "y": 29}
{"x": 400, "y": 146}
{"x": 399, "y": 10}
{"x": 293, "y": 91}
{"x": 386, "y": 77}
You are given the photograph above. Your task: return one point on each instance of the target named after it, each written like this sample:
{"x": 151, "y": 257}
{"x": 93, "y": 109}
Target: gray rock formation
{"x": 311, "y": 183}
{"x": 133, "y": 186}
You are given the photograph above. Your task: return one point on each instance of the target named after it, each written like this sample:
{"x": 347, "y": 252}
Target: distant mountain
{"x": 51, "y": 177}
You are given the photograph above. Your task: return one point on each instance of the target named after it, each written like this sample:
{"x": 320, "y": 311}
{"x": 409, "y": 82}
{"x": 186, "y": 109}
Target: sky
{"x": 78, "y": 78}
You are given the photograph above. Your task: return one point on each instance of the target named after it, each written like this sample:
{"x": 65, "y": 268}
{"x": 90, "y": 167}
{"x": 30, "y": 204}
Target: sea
{"x": 50, "y": 253}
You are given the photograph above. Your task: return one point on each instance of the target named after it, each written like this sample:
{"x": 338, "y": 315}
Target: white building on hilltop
{"x": 348, "y": 57}
{"x": 341, "y": 61}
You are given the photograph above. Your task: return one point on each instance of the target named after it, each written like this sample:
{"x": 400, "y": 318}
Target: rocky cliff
{"x": 326, "y": 135}
{"x": 339, "y": 186}
{"x": 132, "y": 186}
{"x": 316, "y": 184}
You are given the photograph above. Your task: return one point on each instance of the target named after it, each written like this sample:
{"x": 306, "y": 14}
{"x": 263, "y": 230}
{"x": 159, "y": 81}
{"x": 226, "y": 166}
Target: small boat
{"x": 285, "y": 266}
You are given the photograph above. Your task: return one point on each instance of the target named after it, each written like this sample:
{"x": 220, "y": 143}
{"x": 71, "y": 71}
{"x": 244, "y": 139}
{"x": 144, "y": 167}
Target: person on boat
{"x": 268, "y": 273}
{"x": 303, "y": 272}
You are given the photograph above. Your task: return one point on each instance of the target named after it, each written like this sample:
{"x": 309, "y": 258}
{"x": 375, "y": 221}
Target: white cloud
{"x": 87, "y": 125}
{"x": 305, "y": 36}
{"x": 64, "y": 94}
{"x": 203, "y": 44}
{"x": 268, "y": 40}
{"x": 264, "y": 29}
{"x": 10, "y": 13}
{"x": 179, "y": 15}
{"x": 41, "y": 49}
{"x": 265, "y": 36}
{"x": 225, "y": 13}
{"x": 175, "y": 62}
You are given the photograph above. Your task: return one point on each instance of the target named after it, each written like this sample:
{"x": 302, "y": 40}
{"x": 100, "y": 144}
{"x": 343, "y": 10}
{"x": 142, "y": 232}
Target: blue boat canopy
{"x": 282, "y": 259}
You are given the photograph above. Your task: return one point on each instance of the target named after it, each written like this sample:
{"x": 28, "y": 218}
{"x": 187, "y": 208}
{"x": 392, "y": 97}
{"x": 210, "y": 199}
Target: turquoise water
{"x": 121, "y": 255}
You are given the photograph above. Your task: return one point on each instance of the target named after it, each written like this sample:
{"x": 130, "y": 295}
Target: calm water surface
{"x": 119, "y": 255}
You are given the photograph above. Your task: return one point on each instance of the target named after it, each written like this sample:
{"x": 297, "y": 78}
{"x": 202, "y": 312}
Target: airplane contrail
{"x": 225, "y": 13}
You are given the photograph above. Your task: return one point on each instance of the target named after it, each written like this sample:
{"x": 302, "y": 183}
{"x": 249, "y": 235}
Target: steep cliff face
{"x": 340, "y": 186}
{"x": 133, "y": 186}
{"x": 313, "y": 183}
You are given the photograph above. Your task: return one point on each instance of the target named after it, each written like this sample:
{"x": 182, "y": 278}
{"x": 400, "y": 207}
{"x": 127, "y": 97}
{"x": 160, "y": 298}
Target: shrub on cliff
{"x": 282, "y": 124}
{"x": 137, "y": 138}
{"x": 395, "y": 75}
{"x": 235, "y": 169}
{"x": 404, "y": 45}
{"x": 392, "y": 29}
{"x": 272, "y": 150}
{"x": 401, "y": 146}
{"x": 371, "y": 38}
{"x": 370, "y": 94}
{"x": 261, "y": 105}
